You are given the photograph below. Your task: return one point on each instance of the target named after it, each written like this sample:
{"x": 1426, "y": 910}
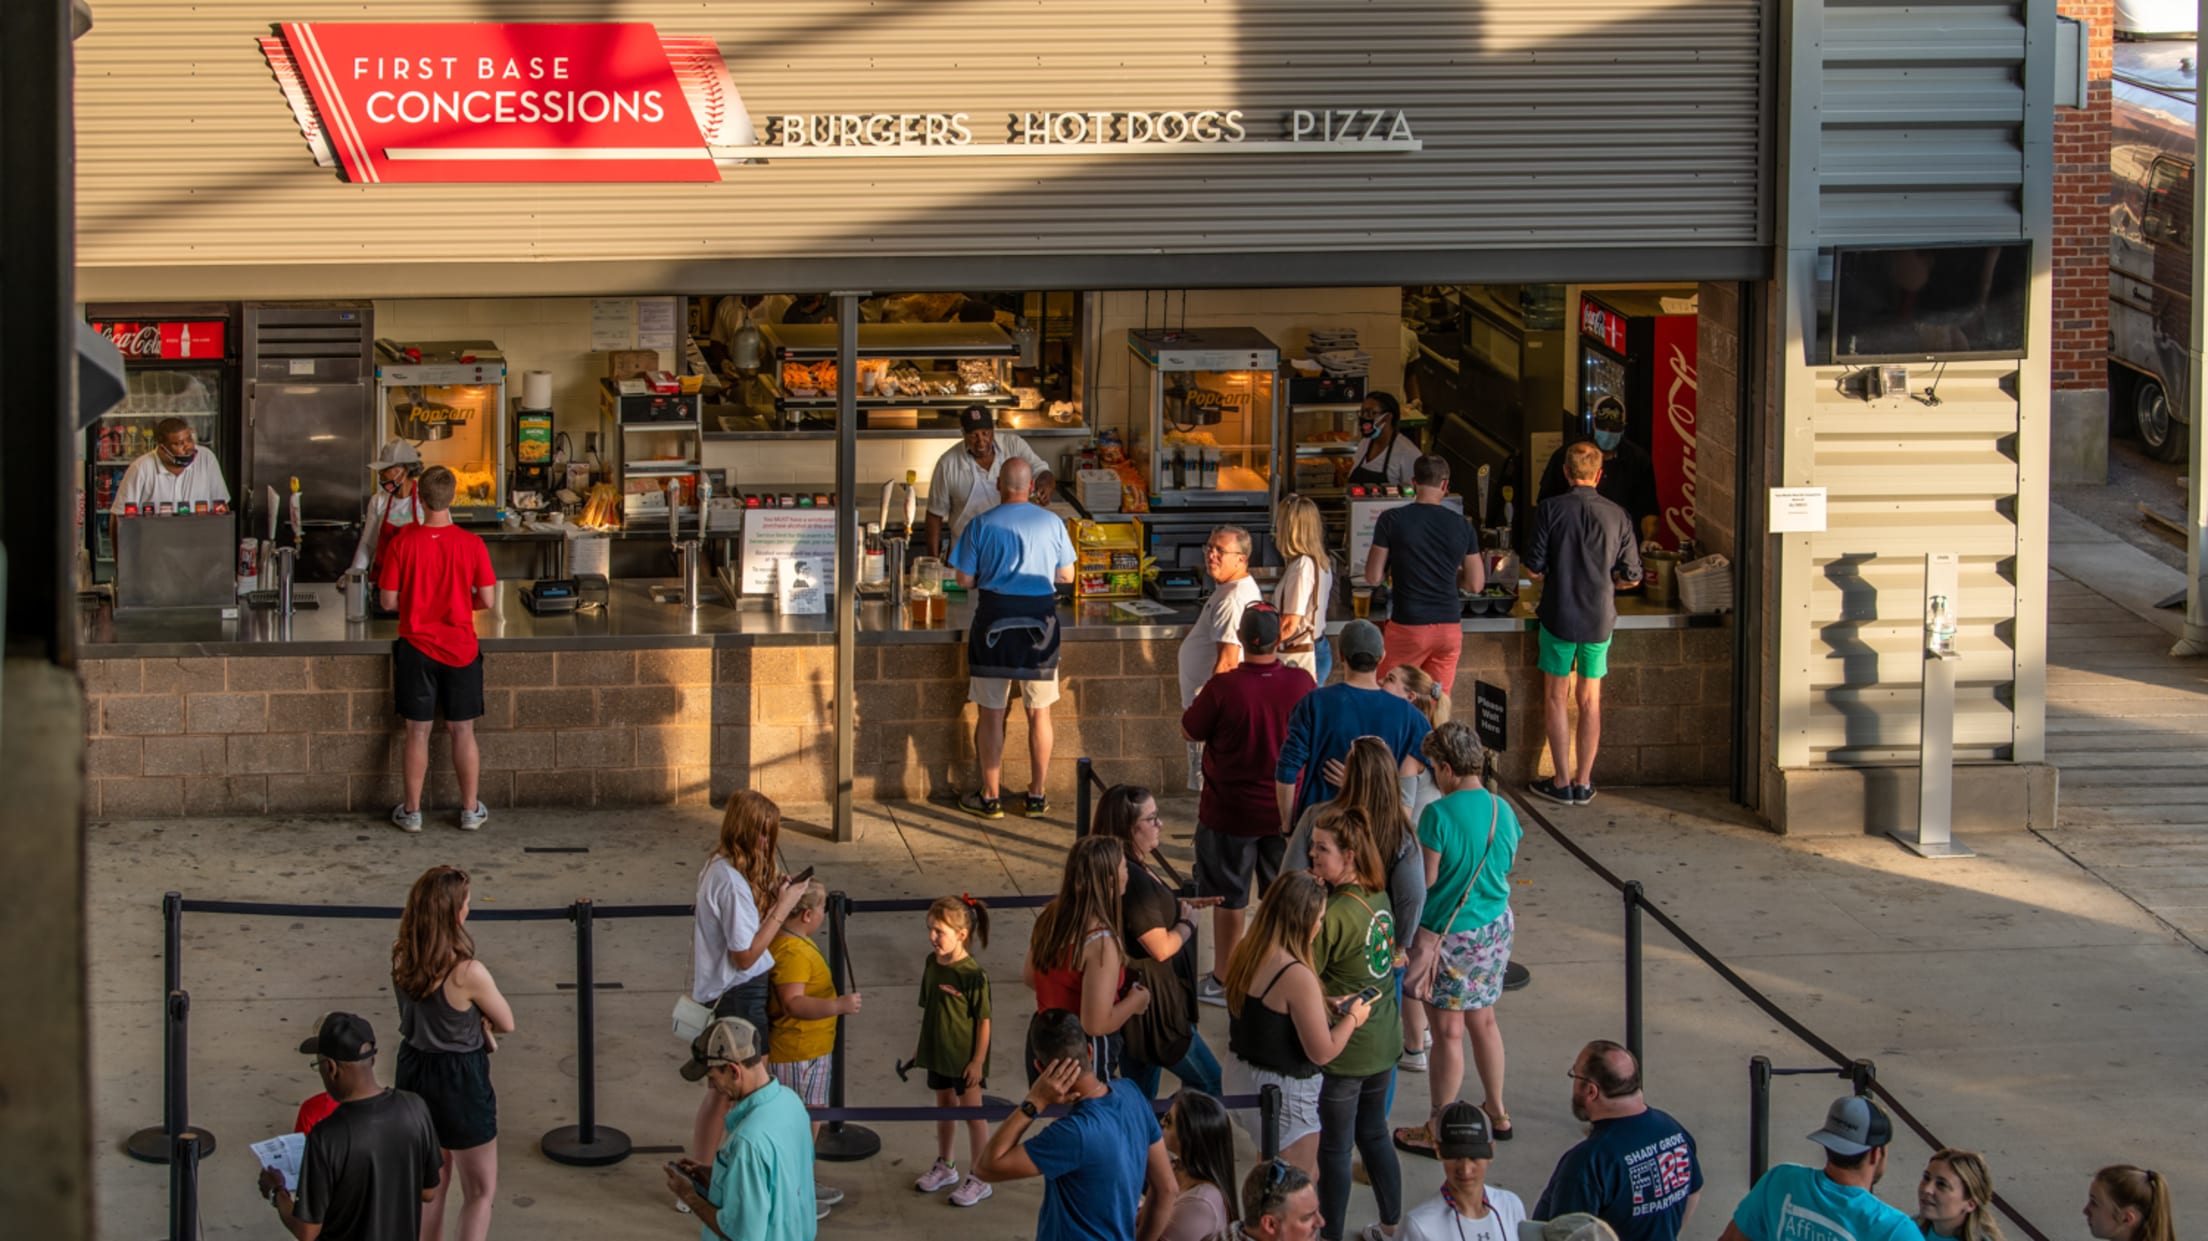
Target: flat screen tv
{"x": 1941, "y": 302}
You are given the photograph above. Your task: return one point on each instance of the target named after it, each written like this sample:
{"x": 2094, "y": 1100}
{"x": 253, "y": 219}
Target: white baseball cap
{"x": 397, "y": 452}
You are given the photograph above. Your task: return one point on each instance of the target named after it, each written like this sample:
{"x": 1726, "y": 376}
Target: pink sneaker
{"x": 974, "y": 1190}
{"x": 942, "y": 1176}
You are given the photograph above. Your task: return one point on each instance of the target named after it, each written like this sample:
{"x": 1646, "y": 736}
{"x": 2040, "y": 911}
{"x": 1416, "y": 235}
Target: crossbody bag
{"x": 1418, "y": 975}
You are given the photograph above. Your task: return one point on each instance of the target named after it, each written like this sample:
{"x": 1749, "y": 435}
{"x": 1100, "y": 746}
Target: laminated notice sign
{"x": 1797, "y": 510}
{"x": 802, "y": 534}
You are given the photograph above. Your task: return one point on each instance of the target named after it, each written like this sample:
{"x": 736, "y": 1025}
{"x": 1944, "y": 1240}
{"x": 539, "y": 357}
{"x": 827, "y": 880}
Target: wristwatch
{"x": 1029, "y": 1110}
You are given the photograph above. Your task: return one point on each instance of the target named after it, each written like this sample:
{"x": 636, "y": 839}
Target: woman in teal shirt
{"x": 1469, "y": 838}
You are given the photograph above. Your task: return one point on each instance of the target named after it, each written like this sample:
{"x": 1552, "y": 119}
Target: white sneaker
{"x": 1209, "y": 990}
{"x": 972, "y": 1191}
{"x": 827, "y": 1195}
{"x": 942, "y": 1176}
{"x": 1412, "y": 1062}
{"x": 472, "y": 820}
{"x": 820, "y": 1211}
{"x": 406, "y": 820}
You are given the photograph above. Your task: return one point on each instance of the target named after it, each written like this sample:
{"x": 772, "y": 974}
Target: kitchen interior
{"x": 685, "y": 444}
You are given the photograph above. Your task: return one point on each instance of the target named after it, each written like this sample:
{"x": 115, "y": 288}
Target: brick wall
{"x": 2080, "y": 326}
{"x": 315, "y": 734}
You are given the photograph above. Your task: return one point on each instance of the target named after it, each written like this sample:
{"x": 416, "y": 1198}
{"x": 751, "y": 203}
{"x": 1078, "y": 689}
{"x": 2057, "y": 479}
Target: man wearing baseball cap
{"x": 760, "y": 1184}
{"x": 1329, "y": 719}
{"x": 1467, "y": 1206}
{"x": 370, "y": 1165}
{"x": 964, "y": 484}
{"x": 1836, "y": 1203}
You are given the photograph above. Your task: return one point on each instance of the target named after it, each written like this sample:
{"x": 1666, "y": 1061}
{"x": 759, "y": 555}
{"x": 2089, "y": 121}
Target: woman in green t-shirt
{"x": 1355, "y": 952}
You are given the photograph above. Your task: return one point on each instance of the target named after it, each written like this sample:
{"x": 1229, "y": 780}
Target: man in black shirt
{"x": 1431, "y": 549}
{"x": 372, "y": 1163}
{"x": 1584, "y": 549}
{"x": 1628, "y": 476}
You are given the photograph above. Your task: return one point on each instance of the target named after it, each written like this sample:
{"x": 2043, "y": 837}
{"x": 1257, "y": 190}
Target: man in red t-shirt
{"x": 437, "y": 577}
{"x": 1241, "y": 717}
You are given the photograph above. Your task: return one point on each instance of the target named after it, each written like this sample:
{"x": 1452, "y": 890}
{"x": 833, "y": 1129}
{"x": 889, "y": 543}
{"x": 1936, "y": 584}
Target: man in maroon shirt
{"x": 1241, "y": 717}
{"x": 437, "y": 577}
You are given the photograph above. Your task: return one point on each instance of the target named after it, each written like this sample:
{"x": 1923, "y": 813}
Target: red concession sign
{"x": 514, "y": 101}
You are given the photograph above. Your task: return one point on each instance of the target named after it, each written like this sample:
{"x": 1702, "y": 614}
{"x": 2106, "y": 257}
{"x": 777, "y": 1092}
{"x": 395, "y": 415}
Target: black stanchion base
{"x": 152, "y": 1145}
{"x": 846, "y": 1143}
{"x": 1516, "y": 976}
{"x": 565, "y": 1145}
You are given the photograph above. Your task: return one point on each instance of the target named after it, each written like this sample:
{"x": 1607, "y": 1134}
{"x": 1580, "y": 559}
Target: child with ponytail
{"x": 954, "y": 1038}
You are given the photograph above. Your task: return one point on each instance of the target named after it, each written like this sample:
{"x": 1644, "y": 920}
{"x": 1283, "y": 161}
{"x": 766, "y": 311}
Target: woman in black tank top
{"x": 1281, "y": 1029}
{"x": 450, "y": 1014}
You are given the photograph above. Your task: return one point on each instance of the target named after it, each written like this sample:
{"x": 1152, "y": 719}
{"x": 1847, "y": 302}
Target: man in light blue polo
{"x": 761, "y": 1181}
{"x": 1014, "y": 557}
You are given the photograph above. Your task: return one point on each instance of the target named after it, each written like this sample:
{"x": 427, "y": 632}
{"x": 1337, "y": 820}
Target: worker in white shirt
{"x": 178, "y": 472}
{"x": 964, "y": 485}
{"x": 393, "y": 504}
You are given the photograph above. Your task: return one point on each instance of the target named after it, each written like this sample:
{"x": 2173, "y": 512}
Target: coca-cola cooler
{"x": 1631, "y": 349}
{"x": 179, "y": 361}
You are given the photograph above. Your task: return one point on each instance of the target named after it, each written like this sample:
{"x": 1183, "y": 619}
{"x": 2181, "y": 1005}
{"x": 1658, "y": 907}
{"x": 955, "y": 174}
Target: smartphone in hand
{"x": 700, "y": 1185}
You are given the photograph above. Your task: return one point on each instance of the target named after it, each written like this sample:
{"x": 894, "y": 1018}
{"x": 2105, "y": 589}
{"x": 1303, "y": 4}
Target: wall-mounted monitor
{"x": 1939, "y": 302}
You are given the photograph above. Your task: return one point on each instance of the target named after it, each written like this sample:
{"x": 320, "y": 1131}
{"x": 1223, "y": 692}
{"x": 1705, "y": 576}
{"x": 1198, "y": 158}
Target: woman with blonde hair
{"x": 1074, "y": 960}
{"x": 1955, "y": 1198}
{"x": 450, "y": 1012}
{"x": 1305, "y": 588}
{"x": 1411, "y": 683}
{"x": 2127, "y": 1203}
{"x": 1280, "y": 1029}
{"x": 742, "y": 902}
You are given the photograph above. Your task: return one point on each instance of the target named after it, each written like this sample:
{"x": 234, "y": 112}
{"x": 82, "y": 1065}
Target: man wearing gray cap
{"x": 759, "y": 1186}
{"x": 1327, "y": 720}
{"x": 1836, "y": 1203}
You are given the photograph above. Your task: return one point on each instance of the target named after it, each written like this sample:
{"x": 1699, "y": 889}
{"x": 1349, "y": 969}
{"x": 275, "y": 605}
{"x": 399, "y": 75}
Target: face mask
{"x": 1368, "y": 427}
{"x": 392, "y": 485}
{"x": 1608, "y": 441}
{"x": 180, "y": 459}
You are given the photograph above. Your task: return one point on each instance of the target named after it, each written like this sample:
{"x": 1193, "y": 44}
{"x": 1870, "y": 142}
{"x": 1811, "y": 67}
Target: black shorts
{"x": 423, "y": 686}
{"x": 747, "y": 1000}
{"x": 936, "y": 1081}
{"x": 456, "y": 1086}
{"x": 1226, "y": 865}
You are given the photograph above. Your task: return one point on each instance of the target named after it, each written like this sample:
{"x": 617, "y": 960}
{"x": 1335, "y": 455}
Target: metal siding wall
{"x": 1624, "y": 124}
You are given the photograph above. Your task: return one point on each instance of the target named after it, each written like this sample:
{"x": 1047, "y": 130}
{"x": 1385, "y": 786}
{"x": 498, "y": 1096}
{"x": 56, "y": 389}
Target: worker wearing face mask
{"x": 1628, "y": 477}
{"x": 393, "y": 504}
{"x": 178, "y": 472}
{"x": 1385, "y": 456}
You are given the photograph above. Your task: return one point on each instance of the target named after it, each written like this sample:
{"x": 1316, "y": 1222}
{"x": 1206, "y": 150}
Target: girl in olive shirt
{"x": 1355, "y": 952}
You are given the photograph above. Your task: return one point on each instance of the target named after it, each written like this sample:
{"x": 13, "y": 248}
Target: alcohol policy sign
{"x": 518, "y": 101}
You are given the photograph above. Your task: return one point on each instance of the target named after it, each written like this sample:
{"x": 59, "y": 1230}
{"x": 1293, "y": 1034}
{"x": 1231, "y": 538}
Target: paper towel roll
{"x": 536, "y": 390}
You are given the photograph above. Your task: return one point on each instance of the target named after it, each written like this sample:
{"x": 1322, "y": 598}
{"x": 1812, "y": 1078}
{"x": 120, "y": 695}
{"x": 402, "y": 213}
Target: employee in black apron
{"x": 1385, "y": 457}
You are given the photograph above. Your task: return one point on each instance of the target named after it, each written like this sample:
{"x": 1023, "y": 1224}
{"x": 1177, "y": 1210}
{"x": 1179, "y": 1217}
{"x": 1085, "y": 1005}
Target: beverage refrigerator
{"x": 179, "y": 361}
{"x": 1631, "y": 349}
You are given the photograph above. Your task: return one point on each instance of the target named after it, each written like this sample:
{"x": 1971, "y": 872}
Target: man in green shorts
{"x": 1584, "y": 550}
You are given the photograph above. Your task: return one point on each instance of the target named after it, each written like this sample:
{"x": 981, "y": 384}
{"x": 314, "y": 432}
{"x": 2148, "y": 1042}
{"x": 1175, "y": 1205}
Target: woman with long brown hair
{"x": 1159, "y": 940}
{"x": 450, "y": 1012}
{"x": 1280, "y": 1029}
{"x": 2128, "y": 1203}
{"x": 1355, "y": 954}
{"x": 742, "y": 901}
{"x": 1074, "y": 961}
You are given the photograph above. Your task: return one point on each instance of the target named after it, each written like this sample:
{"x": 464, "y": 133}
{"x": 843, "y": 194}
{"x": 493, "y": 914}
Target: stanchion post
{"x": 184, "y": 1189}
{"x": 156, "y": 1145}
{"x": 840, "y": 1141}
{"x": 585, "y": 1144}
{"x": 1083, "y": 804}
{"x": 159, "y": 1145}
{"x": 1860, "y": 1076}
{"x": 1759, "y": 1117}
{"x": 1268, "y": 1129}
{"x": 1633, "y": 1029}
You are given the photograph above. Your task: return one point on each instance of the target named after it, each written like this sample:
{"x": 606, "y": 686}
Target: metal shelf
{"x": 813, "y": 342}
{"x": 1327, "y": 448}
{"x": 896, "y": 433}
{"x": 996, "y": 400}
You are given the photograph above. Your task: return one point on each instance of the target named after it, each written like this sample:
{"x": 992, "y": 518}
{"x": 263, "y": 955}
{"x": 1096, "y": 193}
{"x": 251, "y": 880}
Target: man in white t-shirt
{"x": 177, "y": 472}
{"x": 1467, "y": 1206}
{"x": 1213, "y": 643}
{"x": 964, "y": 484}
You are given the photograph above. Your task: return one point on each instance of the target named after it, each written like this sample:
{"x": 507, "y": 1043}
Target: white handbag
{"x": 691, "y": 1018}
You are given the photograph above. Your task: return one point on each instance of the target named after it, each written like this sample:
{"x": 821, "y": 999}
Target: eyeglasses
{"x": 1152, "y": 817}
{"x": 1216, "y": 550}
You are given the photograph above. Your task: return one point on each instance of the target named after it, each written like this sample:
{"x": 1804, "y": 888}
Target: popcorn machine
{"x": 1205, "y": 441}
{"x": 448, "y": 399}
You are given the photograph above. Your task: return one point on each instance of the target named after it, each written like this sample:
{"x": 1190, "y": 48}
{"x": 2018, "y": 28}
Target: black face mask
{"x": 180, "y": 459}
{"x": 392, "y": 485}
{"x": 1368, "y": 425}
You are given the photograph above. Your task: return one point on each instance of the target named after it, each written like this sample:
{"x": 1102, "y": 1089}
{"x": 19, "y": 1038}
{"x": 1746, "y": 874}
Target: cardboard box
{"x": 628, "y": 363}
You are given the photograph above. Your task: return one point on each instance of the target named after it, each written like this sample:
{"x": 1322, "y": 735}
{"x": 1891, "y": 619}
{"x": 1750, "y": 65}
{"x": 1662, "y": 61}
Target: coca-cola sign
{"x": 1676, "y": 391}
{"x": 164, "y": 342}
{"x": 508, "y": 101}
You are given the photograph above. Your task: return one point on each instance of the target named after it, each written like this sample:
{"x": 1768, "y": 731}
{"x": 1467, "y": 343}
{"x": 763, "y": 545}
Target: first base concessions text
{"x": 493, "y": 90}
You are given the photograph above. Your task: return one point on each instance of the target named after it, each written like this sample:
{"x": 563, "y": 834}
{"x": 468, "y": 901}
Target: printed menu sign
{"x": 795, "y": 534}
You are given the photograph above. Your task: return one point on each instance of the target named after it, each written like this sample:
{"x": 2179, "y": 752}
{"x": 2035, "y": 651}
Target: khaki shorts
{"x": 994, "y": 692}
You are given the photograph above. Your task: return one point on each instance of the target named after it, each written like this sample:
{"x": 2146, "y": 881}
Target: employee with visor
{"x": 1628, "y": 477}
{"x": 392, "y": 506}
{"x": 178, "y": 473}
{"x": 1385, "y": 456}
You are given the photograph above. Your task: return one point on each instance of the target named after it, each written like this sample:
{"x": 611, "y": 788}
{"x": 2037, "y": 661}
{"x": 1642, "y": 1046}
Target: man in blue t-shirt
{"x": 1013, "y": 557}
{"x": 1096, "y": 1159}
{"x": 1324, "y": 724}
{"x": 1794, "y": 1203}
{"x": 1637, "y": 1170}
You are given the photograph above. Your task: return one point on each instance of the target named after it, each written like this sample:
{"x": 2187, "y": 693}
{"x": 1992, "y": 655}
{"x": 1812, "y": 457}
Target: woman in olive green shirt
{"x": 1355, "y": 952}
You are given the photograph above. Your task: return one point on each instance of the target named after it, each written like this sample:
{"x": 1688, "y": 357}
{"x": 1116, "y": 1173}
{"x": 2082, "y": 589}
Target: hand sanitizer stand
{"x": 1936, "y": 739}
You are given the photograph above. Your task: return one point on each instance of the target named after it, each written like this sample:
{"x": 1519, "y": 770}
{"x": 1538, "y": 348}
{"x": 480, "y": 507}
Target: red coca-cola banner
{"x": 164, "y": 341}
{"x": 1673, "y": 391}
{"x": 508, "y": 101}
{"x": 1600, "y": 323}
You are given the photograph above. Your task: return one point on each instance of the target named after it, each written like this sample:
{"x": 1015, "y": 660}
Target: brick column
{"x": 2079, "y": 340}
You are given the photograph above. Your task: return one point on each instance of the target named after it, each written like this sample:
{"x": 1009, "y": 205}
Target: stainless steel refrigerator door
{"x": 319, "y": 433}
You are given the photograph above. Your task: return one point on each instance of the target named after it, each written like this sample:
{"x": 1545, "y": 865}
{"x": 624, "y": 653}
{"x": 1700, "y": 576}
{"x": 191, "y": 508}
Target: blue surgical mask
{"x": 1608, "y": 441}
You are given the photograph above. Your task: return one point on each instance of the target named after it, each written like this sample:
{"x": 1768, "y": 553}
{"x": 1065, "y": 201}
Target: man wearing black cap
{"x": 372, "y": 1163}
{"x": 1836, "y": 1203}
{"x": 964, "y": 484}
{"x": 1467, "y": 1206}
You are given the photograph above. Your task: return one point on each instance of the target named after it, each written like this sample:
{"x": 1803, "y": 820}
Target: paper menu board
{"x": 770, "y": 534}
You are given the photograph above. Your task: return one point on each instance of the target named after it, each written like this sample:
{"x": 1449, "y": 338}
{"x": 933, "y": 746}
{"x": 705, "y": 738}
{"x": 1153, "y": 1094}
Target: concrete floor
{"x": 2018, "y": 1003}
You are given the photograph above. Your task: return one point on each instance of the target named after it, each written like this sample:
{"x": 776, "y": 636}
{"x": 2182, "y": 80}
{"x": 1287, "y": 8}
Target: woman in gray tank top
{"x": 450, "y": 1014}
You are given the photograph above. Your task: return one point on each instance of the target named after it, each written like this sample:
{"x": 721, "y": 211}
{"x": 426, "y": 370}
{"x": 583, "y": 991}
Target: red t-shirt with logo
{"x": 436, "y": 570}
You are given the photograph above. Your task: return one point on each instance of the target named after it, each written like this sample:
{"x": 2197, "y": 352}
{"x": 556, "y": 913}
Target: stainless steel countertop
{"x": 631, "y": 620}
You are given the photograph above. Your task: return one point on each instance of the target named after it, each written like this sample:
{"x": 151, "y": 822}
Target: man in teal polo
{"x": 761, "y": 1181}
